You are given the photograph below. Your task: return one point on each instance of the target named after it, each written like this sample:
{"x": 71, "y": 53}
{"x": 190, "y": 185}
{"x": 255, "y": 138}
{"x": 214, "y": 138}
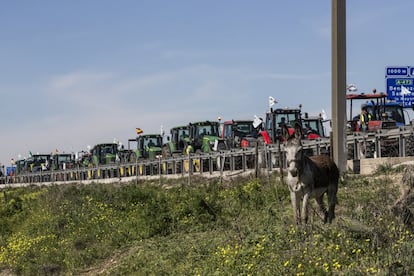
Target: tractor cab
{"x": 105, "y": 153}
{"x": 62, "y": 161}
{"x": 148, "y": 146}
{"x": 239, "y": 133}
{"x": 313, "y": 127}
{"x": 204, "y": 137}
{"x": 276, "y": 119}
{"x": 177, "y": 141}
{"x": 21, "y": 166}
{"x": 38, "y": 162}
{"x": 392, "y": 111}
{"x": 383, "y": 114}
{"x": 83, "y": 159}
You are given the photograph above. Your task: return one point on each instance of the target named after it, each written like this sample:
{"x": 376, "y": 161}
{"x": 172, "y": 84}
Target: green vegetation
{"x": 241, "y": 227}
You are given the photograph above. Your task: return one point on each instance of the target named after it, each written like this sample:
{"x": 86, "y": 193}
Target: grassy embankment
{"x": 241, "y": 227}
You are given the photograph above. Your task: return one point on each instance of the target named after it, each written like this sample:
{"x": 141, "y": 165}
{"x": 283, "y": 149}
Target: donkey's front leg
{"x": 305, "y": 208}
{"x": 296, "y": 206}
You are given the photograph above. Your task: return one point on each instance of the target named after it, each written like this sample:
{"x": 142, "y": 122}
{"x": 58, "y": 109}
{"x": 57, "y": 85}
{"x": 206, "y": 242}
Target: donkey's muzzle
{"x": 293, "y": 172}
{"x": 292, "y": 168}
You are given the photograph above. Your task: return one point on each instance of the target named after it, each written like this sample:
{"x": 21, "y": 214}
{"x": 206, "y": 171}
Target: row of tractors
{"x": 196, "y": 138}
{"x": 217, "y": 136}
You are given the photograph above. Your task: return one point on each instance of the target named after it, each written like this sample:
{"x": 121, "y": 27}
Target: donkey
{"x": 309, "y": 176}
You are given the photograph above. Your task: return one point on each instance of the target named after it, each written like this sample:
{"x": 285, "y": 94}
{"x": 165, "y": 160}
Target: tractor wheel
{"x": 197, "y": 162}
{"x": 351, "y": 152}
{"x": 133, "y": 158}
{"x": 260, "y": 141}
{"x": 186, "y": 166}
{"x": 197, "y": 165}
{"x": 166, "y": 151}
{"x": 221, "y": 162}
{"x": 221, "y": 146}
{"x": 238, "y": 162}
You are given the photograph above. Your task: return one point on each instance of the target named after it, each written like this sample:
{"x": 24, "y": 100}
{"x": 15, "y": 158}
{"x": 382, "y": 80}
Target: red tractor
{"x": 313, "y": 126}
{"x": 277, "y": 118}
{"x": 239, "y": 133}
{"x": 382, "y": 115}
{"x": 380, "y": 111}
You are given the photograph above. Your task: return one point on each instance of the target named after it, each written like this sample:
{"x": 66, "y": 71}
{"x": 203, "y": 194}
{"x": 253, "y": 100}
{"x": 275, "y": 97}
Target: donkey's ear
{"x": 298, "y": 131}
{"x": 285, "y": 132}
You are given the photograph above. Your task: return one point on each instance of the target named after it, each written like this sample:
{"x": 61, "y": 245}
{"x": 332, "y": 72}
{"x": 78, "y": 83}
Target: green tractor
{"x": 176, "y": 144}
{"x": 204, "y": 137}
{"x": 38, "y": 162}
{"x": 148, "y": 146}
{"x": 21, "y": 166}
{"x": 83, "y": 159}
{"x": 175, "y": 147}
{"x": 104, "y": 154}
{"x": 62, "y": 161}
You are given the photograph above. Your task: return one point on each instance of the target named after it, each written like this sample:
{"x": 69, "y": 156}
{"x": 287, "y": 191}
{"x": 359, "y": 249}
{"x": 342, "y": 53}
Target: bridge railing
{"x": 399, "y": 142}
{"x": 191, "y": 164}
{"x": 382, "y": 143}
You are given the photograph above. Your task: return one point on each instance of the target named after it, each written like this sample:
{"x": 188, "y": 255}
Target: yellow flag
{"x": 138, "y": 130}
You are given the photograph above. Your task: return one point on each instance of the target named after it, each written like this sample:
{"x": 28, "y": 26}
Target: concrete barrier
{"x": 369, "y": 165}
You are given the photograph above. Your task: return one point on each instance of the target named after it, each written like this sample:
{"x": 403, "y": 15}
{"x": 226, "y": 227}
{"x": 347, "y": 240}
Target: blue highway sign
{"x": 397, "y": 71}
{"x": 400, "y": 84}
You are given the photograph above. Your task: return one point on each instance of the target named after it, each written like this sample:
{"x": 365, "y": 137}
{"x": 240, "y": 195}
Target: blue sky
{"x": 82, "y": 72}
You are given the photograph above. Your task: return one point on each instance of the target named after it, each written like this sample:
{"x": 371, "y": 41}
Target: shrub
{"x": 207, "y": 227}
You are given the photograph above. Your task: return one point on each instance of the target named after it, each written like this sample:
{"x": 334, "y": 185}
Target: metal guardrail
{"x": 397, "y": 142}
{"x": 238, "y": 160}
{"x": 192, "y": 164}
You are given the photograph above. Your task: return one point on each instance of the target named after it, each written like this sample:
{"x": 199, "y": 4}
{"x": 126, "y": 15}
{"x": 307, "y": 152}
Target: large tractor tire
{"x": 221, "y": 146}
{"x": 260, "y": 141}
{"x": 133, "y": 157}
{"x": 196, "y": 165}
{"x": 197, "y": 162}
{"x": 166, "y": 151}
{"x": 222, "y": 162}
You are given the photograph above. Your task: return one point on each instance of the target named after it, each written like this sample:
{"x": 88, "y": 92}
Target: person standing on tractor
{"x": 364, "y": 118}
{"x": 282, "y": 122}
